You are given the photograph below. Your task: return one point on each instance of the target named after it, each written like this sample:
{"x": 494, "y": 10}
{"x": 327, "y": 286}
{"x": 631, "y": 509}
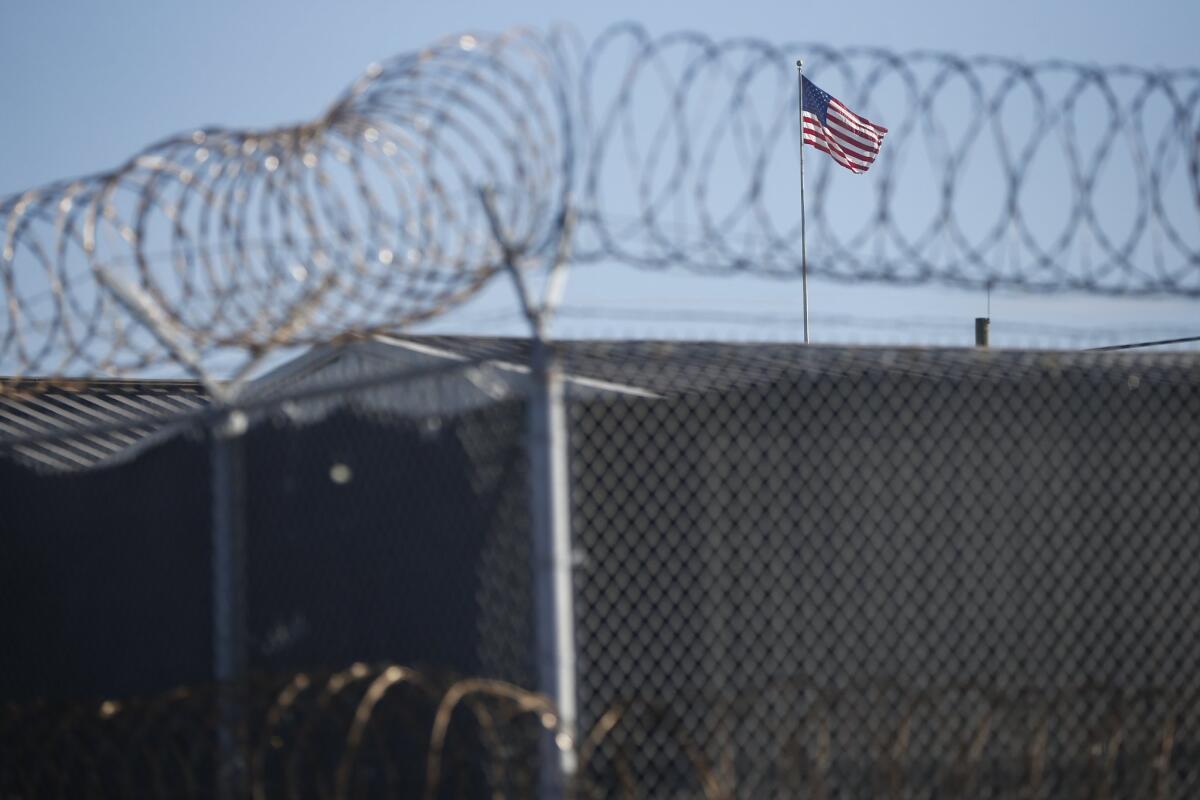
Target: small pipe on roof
{"x": 982, "y": 331}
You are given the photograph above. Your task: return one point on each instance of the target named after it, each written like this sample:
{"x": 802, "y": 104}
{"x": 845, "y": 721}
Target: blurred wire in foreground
{"x": 386, "y": 730}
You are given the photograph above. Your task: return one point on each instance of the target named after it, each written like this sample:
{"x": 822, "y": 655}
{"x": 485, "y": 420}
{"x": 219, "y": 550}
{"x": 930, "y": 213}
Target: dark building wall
{"x": 105, "y": 581}
{"x": 385, "y": 561}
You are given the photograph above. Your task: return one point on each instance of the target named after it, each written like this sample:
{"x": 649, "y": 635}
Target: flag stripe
{"x": 839, "y": 155}
{"x": 865, "y": 135}
{"x": 837, "y": 104}
{"x": 839, "y": 159}
{"x": 858, "y": 161}
{"x": 831, "y": 146}
{"x": 855, "y": 119}
{"x": 835, "y": 148}
{"x": 849, "y": 148}
{"x": 849, "y": 144}
{"x": 836, "y": 128}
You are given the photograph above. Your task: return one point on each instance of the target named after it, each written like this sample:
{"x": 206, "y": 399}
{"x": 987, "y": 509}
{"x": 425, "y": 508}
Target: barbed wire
{"x": 226, "y": 240}
{"x": 995, "y": 172}
{"x": 676, "y": 151}
{"x": 389, "y": 730}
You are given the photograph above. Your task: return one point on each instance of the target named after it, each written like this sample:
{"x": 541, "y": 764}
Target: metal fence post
{"x": 229, "y": 602}
{"x": 550, "y": 510}
{"x": 554, "y": 599}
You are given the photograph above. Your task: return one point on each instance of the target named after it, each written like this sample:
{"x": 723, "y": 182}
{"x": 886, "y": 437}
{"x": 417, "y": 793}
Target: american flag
{"x": 829, "y": 126}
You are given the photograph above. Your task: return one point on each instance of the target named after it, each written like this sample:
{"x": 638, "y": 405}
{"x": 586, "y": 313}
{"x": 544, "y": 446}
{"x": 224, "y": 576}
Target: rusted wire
{"x": 163, "y": 746}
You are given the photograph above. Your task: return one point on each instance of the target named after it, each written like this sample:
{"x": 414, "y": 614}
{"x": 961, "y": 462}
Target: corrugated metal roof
{"x": 47, "y": 422}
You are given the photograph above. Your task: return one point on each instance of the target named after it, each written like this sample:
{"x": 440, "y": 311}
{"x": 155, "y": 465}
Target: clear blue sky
{"x": 84, "y": 85}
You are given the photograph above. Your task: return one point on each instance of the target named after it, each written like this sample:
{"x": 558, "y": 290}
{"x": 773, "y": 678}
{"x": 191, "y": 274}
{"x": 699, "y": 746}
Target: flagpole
{"x": 803, "y": 239}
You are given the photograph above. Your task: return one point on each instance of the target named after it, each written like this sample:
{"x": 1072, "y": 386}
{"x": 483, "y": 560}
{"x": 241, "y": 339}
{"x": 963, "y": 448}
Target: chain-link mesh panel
{"x": 800, "y": 571}
{"x": 829, "y": 572}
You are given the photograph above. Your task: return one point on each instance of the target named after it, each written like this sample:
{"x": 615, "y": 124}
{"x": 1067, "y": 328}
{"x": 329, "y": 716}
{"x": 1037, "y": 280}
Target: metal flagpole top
{"x": 803, "y": 233}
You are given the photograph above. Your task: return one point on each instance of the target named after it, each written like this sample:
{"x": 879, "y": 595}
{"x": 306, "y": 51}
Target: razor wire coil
{"x": 673, "y": 151}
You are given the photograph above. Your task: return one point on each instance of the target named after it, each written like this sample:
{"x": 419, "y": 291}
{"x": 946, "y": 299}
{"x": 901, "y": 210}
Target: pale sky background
{"x": 85, "y": 85}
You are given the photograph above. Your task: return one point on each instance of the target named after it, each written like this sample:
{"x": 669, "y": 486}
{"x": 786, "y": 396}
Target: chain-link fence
{"x": 795, "y": 572}
{"x": 829, "y": 572}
